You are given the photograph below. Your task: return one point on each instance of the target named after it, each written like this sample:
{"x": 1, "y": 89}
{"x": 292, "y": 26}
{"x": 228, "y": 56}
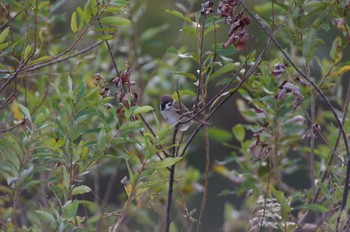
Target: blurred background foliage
{"x": 76, "y": 155}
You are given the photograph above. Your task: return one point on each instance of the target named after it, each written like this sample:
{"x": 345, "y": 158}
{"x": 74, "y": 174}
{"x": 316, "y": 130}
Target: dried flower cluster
{"x": 279, "y": 70}
{"x": 260, "y": 149}
{"x": 123, "y": 94}
{"x": 207, "y": 8}
{"x": 238, "y": 33}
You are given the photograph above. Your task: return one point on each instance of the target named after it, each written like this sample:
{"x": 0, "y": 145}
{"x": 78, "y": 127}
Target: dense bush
{"x": 84, "y": 147}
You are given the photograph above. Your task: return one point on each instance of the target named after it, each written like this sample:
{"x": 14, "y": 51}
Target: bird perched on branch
{"x": 175, "y": 112}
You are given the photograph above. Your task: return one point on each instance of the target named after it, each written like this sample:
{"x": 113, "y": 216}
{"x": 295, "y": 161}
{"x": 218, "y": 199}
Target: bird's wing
{"x": 180, "y": 110}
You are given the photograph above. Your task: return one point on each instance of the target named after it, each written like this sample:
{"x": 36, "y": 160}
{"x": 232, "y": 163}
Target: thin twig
{"x": 171, "y": 183}
{"x": 206, "y": 179}
{"x": 131, "y": 196}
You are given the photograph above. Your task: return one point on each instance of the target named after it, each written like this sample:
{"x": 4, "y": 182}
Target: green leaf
{"x": 93, "y": 6}
{"x": 167, "y": 162}
{"x": 239, "y": 132}
{"x": 87, "y": 12}
{"x": 81, "y": 190}
{"x": 27, "y": 51}
{"x": 70, "y": 209}
{"x": 70, "y": 87}
{"x": 285, "y": 208}
{"x": 73, "y": 22}
{"x": 4, "y": 45}
{"x": 313, "y": 207}
{"x": 149, "y": 34}
{"x": 191, "y": 30}
{"x": 310, "y": 44}
{"x": 40, "y": 59}
{"x": 142, "y": 109}
{"x": 115, "y": 21}
{"x": 45, "y": 217}
{"x": 131, "y": 126}
{"x": 25, "y": 111}
{"x": 219, "y": 135}
{"x": 172, "y": 50}
{"x": 4, "y": 34}
{"x": 190, "y": 76}
{"x": 113, "y": 9}
{"x": 224, "y": 69}
{"x": 336, "y": 50}
{"x": 179, "y": 14}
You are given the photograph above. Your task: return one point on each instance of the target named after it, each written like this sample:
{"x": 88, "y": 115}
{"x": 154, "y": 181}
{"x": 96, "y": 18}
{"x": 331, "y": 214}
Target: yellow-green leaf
{"x": 165, "y": 162}
{"x": 93, "y": 6}
{"x": 336, "y": 50}
{"x": 313, "y": 207}
{"x": 80, "y": 190}
{"x": 27, "y": 51}
{"x": 87, "y": 12}
{"x": 4, "y": 34}
{"x": 73, "y": 22}
{"x": 4, "y": 45}
{"x": 142, "y": 109}
{"x": 239, "y": 132}
{"x": 40, "y": 59}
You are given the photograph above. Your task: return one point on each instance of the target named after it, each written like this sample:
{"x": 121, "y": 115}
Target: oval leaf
{"x": 165, "y": 162}
{"x": 115, "y": 21}
{"x": 239, "y": 132}
{"x": 313, "y": 207}
{"x": 73, "y": 22}
{"x": 224, "y": 69}
{"x": 27, "y": 51}
{"x": 142, "y": 109}
{"x": 4, "y": 34}
{"x": 179, "y": 14}
{"x": 81, "y": 190}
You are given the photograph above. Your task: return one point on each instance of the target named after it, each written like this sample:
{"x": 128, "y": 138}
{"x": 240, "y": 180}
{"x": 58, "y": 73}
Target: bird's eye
{"x": 169, "y": 104}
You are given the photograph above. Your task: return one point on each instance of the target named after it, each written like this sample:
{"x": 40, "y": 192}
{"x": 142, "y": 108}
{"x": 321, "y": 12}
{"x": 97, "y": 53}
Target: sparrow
{"x": 173, "y": 112}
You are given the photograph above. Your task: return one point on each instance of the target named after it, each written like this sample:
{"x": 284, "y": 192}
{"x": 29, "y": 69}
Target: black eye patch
{"x": 162, "y": 106}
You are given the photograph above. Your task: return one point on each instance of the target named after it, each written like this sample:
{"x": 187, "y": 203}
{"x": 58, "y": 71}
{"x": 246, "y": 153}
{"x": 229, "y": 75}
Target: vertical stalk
{"x": 170, "y": 197}
{"x": 312, "y": 139}
{"x": 206, "y": 182}
{"x": 276, "y": 146}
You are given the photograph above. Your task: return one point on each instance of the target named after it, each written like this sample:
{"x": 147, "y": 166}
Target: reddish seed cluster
{"x": 238, "y": 33}
{"x": 124, "y": 94}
